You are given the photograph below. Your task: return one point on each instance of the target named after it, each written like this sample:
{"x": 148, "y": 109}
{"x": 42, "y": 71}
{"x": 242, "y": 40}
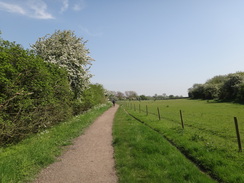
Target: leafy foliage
{"x": 93, "y": 95}
{"x": 67, "y": 51}
{"x": 131, "y": 95}
{"x": 226, "y": 87}
{"x": 44, "y": 86}
{"x": 33, "y": 94}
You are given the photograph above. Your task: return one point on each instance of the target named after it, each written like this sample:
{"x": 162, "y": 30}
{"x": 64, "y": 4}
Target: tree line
{"x": 132, "y": 95}
{"x": 221, "y": 87}
{"x": 44, "y": 85}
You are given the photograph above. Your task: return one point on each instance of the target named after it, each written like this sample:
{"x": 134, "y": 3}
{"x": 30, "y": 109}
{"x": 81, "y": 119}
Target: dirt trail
{"x": 89, "y": 159}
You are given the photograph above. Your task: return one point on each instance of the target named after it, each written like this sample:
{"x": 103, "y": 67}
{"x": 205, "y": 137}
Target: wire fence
{"x": 155, "y": 111}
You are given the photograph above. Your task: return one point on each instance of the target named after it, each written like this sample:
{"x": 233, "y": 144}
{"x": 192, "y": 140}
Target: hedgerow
{"x": 36, "y": 93}
{"x": 223, "y": 87}
{"x": 33, "y": 94}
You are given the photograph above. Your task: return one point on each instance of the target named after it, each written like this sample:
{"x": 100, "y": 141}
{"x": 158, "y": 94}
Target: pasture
{"x": 209, "y": 135}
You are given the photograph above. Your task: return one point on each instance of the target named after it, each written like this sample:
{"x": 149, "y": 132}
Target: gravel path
{"x": 89, "y": 159}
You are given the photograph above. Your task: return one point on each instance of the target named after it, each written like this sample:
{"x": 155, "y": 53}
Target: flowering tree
{"x": 67, "y": 51}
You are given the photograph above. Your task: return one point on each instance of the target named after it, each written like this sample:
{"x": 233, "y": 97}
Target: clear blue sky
{"x": 147, "y": 46}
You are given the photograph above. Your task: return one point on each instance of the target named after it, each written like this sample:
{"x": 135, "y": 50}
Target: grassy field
{"x": 21, "y": 162}
{"x": 142, "y": 155}
{"x": 208, "y": 138}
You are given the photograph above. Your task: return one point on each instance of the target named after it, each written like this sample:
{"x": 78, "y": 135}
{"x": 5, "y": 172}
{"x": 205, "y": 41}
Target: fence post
{"x": 238, "y": 134}
{"x": 181, "y": 117}
{"x": 134, "y": 107}
{"x": 159, "y": 117}
{"x": 147, "y": 110}
{"x": 139, "y": 108}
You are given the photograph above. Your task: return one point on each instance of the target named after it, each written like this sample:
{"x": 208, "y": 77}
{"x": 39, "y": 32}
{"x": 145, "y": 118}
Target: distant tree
{"x": 240, "y": 94}
{"x": 229, "y": 89}
{"x": 131, "y": 95}
{"x": 164, "y": 96}
{"x": 155, "y": 97}
{"x": 211, "y": 91}
{"x": 223, "y": 87}
{"x": 216, "y": 80}
{"x": 120, "y": 95}
{"x": 111, "y": 95}
{"x": 67, "y": 51}
{"x": 196, "y": 92}
{"x": 143, "y": 97}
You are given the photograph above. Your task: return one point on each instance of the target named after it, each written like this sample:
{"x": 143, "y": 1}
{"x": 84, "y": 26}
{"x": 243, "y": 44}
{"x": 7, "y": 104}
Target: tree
{"x": 131, "y": 95}
{"x": 229, "y": 89}
{"x": 120, "y": 95}
{"x": 143, "y": 97}
{"x": 223, "y": 87}
{"x": 67, "y": 51}
{"x": 164, "y": 96}
{"x": 155, "y": 96}
{"x": 111, "y": 95}
{"x": 211, "y": 91}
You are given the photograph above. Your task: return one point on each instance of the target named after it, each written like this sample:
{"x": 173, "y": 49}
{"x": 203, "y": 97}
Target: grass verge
{"x": 21, "y": 162}
{"x": 142, "y": 155}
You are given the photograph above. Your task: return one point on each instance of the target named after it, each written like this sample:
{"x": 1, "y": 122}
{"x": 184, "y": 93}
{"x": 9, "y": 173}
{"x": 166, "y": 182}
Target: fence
{"x": 181, "y": 120}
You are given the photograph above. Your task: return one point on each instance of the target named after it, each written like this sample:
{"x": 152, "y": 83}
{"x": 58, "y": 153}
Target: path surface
{"x": 89, "y": 159}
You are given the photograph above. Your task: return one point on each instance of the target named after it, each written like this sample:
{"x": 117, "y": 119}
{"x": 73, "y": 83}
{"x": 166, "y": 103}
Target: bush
{"x": 92, "y": 96}
{"x": 33, "y": 94}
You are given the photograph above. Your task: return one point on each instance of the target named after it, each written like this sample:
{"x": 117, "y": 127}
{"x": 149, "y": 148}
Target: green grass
{"x": 209, "y": 136}
{"x": 21, "y": 162}
{"x": 143, "y": 155}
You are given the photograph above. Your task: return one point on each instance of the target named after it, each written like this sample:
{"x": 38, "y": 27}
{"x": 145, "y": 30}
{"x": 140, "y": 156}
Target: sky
{"x": 147, "y": 46}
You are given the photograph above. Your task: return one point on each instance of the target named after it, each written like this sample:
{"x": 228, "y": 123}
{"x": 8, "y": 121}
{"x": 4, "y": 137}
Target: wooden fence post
{"x": 134, "y": 107}
{"x": 181, "y": 117}
{"x": 159, "y": 117}
{"x": 238, "y": 134}
{"x": 139, "y": 108}
{"x": 146, "y": 110}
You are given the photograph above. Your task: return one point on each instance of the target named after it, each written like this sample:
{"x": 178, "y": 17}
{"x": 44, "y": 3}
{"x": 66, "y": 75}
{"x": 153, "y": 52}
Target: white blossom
{"x": 66, "y": 50}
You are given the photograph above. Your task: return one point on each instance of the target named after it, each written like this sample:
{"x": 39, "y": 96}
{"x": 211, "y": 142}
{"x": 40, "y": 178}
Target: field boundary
{"x": 181, "y": 150}
{"x": 237, "y": 138}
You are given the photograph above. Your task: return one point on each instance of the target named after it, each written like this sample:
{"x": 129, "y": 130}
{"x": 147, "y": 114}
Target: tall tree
{"x": 67, "y": 51}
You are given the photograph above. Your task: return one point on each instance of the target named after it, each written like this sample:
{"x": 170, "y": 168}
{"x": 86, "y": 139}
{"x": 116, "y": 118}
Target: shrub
{"x": 33, "y": 94}
{"x": 92, "y": 96}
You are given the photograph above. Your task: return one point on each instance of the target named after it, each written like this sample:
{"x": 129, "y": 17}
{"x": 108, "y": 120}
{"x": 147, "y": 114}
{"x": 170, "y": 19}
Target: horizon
{"x": 150, "y": 47}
